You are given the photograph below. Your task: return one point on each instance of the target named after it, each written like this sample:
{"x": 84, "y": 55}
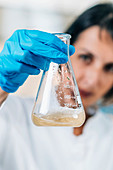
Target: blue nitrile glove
{"x": 25, "y": 53}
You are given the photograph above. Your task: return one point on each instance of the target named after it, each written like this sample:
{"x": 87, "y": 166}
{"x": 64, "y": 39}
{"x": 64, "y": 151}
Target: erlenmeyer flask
{"x": 58, "y": 101}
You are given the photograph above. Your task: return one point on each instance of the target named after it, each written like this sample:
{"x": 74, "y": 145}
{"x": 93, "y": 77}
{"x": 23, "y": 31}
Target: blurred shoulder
{"x": 16, "y": 107}
{"x": 101, "y": 124}
{"x": 104, "y": 123}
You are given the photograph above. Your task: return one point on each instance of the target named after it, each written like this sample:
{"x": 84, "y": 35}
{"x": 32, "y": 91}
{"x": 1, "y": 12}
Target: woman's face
{"x": 93, "y": 64}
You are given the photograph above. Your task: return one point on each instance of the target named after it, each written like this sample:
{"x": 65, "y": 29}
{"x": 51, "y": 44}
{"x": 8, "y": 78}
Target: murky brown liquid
{"x": 59, "y": 119}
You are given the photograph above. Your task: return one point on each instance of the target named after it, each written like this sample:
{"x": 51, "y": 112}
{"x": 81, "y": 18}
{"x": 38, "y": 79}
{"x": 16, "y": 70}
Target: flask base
{"x": 59, "y": 119}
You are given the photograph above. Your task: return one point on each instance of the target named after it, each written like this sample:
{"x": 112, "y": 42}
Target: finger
{"x": 11, "y": 67}
{"x": 38, "y": 55}
{"x": 16, "y": 79}
{"x": 48, "y": 39}
{"x": 71, "y": 50}
{"x": 36, "y": 61}
{"x": 9, "y": 89}
{"x": 10, "y": 85}
{"x": 41, "y": 50}
{"x": 43, "y": 62}
{"x": 29, "y": 69}
{"x": 26, "y": 37}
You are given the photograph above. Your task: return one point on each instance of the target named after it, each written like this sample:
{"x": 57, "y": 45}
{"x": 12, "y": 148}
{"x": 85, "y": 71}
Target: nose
{"x": 92, "y": 77}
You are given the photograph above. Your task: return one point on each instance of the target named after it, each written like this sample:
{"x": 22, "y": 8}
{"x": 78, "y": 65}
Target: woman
{"x": 24, "y": 146}
{"x": 92, "y": 36}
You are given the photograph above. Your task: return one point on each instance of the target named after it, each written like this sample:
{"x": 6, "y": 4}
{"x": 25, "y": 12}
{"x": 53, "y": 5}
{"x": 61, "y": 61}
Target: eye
{"x": 86, "y": 58}
{"x": 109, "y": 68}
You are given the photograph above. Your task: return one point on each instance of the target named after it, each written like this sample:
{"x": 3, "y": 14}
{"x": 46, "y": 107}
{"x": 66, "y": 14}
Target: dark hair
{"x": 100, "y": 15}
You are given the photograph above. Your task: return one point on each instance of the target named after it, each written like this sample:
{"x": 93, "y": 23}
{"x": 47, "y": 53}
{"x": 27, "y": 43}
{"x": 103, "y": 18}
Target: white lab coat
{"x": 24, "y": 146}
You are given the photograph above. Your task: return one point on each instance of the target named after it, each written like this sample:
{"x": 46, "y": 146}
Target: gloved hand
{"x": 25, "y": 53}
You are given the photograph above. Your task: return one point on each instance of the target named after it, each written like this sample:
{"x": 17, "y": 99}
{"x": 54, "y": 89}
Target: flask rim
{"x": 62, "y": 35}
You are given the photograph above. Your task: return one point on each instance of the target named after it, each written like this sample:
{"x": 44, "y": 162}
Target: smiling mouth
{"x": 84, "y": 93}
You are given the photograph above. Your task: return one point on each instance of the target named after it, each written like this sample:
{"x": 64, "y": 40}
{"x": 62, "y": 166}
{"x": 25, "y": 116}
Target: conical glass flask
{"x": 58, "y": 101}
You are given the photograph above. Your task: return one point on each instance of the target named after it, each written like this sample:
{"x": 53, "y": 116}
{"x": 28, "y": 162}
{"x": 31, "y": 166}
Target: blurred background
{"x": 46, "y": 15}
